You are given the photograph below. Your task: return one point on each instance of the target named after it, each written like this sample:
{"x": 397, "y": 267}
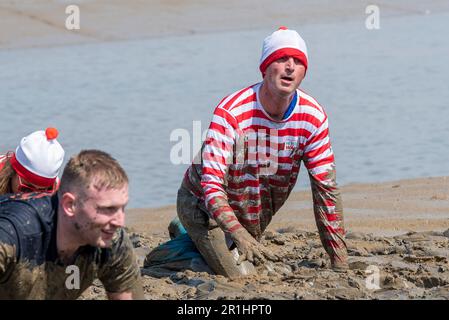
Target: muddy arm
{"x": 327, "y": 204}
{"x": 327, "y": 207}
{"x": 217, "y": 154}
{"x": 120, "y": 273}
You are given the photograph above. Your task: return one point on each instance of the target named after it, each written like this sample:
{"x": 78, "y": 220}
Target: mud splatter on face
{"x": 93, "y": 226}
{"x": 77, "y": 226}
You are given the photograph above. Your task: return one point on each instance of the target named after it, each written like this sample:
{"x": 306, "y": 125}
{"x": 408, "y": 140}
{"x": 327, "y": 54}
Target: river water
{"x": 385, "y": 91}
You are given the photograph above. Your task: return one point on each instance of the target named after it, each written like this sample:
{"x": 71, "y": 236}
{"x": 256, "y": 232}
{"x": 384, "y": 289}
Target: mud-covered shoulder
{"x": 120, "y": 272}
{"x": 9, "y": 245}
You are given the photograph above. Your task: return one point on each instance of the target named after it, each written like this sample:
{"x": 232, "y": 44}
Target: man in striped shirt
{"x": 250, "y": 160}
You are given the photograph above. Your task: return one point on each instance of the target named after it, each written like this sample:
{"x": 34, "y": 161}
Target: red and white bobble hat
{"x": 281, "y": 43}
{"x": 39, "y": 157}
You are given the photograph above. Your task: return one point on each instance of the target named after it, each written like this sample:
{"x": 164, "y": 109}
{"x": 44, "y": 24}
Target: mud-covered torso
{"x": 268, "y": 192}
{"x": 29, "y": 263}
{"x": 49, "y": 280}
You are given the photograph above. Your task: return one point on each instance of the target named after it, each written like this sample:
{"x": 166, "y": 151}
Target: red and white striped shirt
{"x": 250, "y": 164}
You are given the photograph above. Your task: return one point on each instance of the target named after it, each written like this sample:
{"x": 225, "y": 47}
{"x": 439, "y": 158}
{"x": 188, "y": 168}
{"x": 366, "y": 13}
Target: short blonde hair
{"x": 92, "y": 166}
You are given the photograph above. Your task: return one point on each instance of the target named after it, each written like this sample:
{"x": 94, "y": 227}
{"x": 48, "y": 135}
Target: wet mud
{"x": 414, "y": 265}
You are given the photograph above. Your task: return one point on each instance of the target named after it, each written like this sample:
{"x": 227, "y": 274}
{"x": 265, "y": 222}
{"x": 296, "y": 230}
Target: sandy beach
{"x": 383, "y": 209}
{"x": 41, "y": 23}
{"x": 400, "y": 227}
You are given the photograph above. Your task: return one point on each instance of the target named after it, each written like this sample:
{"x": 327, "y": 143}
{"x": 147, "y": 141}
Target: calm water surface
{"x": 385, "y": 91}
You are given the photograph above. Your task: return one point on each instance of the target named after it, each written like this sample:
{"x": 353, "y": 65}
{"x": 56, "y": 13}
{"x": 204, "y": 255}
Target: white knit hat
{"x": 39, "y": 157}
{"x": 281, "y": 43}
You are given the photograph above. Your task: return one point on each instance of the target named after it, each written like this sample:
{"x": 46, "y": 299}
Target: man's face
{"x": 284, "y": 76}
{"x": 100, "y": 214}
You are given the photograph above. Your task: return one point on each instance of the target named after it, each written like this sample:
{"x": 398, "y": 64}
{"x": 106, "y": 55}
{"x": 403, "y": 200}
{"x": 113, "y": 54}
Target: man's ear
{"x": 68, "y": 204}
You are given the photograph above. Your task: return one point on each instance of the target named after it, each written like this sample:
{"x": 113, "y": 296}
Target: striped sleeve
{"x": 327, "y": 204}
{"x": 217, "y": 155}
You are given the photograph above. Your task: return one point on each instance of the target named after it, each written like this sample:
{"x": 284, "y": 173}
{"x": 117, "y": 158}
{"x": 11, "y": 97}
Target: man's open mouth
{"x": 287, "y": 78}
{"x": 108, "y": 233}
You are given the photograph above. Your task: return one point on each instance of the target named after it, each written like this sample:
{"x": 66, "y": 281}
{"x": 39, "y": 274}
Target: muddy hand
{"x": 249, "y": 249}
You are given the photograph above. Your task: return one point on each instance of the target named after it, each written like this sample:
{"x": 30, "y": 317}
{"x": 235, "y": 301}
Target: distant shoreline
{"x": 41, "y": 23}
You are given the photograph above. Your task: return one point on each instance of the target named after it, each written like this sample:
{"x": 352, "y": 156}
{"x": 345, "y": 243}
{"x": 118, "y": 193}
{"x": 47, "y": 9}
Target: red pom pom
{"x": 283, "y": 28}
{"x": 51, "y": 133}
